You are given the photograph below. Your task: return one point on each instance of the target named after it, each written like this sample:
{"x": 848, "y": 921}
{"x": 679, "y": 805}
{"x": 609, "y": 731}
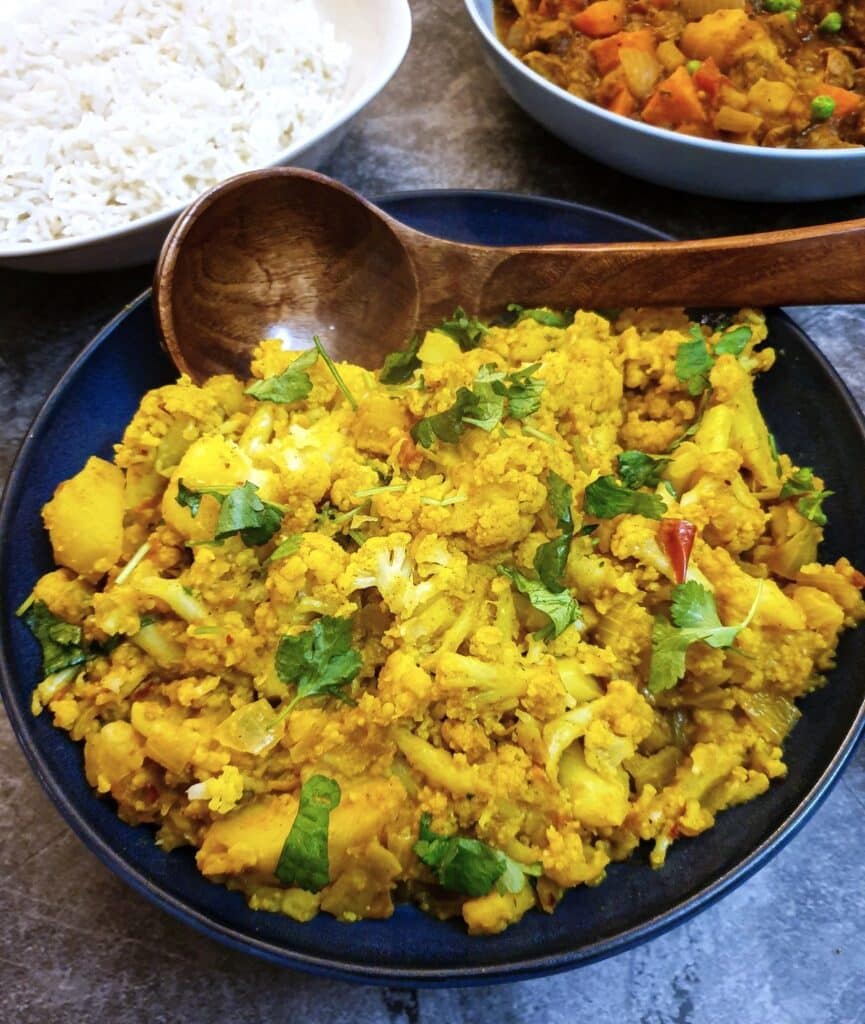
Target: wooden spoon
{"x": 289, "y": 253}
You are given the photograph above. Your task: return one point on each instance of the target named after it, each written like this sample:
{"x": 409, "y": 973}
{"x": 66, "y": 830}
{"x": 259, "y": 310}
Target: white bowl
{"x": 665, "y": 157}
{"x": 378, "y": 32}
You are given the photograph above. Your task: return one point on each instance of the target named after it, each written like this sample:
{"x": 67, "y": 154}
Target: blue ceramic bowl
{"x": 665, "y": 157}
{"x": 812, "y": 416}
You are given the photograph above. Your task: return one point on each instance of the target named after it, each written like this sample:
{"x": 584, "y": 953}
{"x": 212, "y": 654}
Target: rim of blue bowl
{"x": 767, "y": 153}
{"x": 522, "y": 969}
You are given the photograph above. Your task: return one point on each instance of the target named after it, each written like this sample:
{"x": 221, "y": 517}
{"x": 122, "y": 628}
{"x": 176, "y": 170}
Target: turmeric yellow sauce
{"x": 783, "y": 73}
{"x": 462, "y": 632}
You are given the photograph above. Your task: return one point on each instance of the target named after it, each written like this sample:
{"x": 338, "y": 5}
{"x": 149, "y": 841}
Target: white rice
{"x": 114, "y": 109}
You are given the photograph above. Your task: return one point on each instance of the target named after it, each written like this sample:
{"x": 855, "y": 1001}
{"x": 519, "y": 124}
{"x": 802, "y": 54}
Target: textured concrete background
{"x": 788, "y": 947}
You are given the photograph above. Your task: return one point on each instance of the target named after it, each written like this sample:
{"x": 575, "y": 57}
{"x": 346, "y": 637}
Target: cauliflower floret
{"x": 308, "y": 582}
{"x": 384, "y": 563}
{"x": 222, "y": 792}
{"x": 726, "y": 511}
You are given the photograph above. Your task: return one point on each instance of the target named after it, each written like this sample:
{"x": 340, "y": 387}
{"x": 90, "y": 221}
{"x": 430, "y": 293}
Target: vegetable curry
{"x": 462, "y": 632}
{"x": 784, "y": 73}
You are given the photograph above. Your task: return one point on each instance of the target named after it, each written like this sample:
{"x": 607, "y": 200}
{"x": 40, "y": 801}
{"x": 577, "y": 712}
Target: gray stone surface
{"x": 788, "y": 947}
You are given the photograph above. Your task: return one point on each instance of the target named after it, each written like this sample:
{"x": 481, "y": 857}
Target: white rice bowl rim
{"x": 373, "y": 84}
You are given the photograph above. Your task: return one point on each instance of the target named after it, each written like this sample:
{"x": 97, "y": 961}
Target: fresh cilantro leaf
{"x": 62, "y": 643}
{"x": 469, "y": 865}
{"x": 810, "y": 503}
{"x": 487, "y": 406}
{"x": 588, "y": 529}
{"x": 638, "y": 469}
{"x": 693, "y": 362}
{"x": 242, "y": 512}
{"x": 667, "y": 666}
{"x": 320, "y": 661}
{"x": 399, "y": 366}
{"x": 733, "y": 342}
{"x": 465, "y": 330}
{"x": 606, "y": 498}
{"x": 303, "y": 861}
{"x": 448, "y": 425}
{"x": 547, "y": 317}
{"x": 552, "y": 556}
{"x": 800, "y": 482}
{"x": 773, "y": 448}
{"x": 291, "y": 385}
{"x": 695, "y": 617}
{"x": 483, "y": 405}
{"x": 694, "y": 607}
{"x": 551, "y": 559}
{"x": 811, "y": 506}
{"x": 187, "y": 498}
{"x": 524, "y": 392}
{"x": 560, "y": 497}
{"x": 285, "y": 548}
{"x": 334, "y": 372}
{"x": 560, "y": 607}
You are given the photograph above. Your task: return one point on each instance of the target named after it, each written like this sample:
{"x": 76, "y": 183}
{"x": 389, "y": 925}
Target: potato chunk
{"x": 84, "y": 519}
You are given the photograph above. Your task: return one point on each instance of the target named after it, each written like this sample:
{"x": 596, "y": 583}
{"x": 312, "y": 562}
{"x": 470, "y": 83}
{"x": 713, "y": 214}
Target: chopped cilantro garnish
{"x": 695, "y": 618}
{"x": 399, "y": 366}
{"x": 733, "y": 342}
{"x": 303, "y": 861}
{"x": 241, "y": 512}
{"x": 638, "y": 469}
{"x": 62, "y": 643}
{"x": 448, "y": 425}
{"x": 334, "y": 372}
{"x": 289, "y": 386}
{"x": 693, "y": 362}
{"x": 523, "y": 392}
{"x": 550, "y": 561}
{"x": 551, "y": 557}
{"x": 469, "y": 865}
{"x": 285, "y": 548}
{"x": 810, "y": 504}
{"x": 547, "y": 317}
{"x": 320, "y": 661}
{"x": 560, "y": 607}
{"x": 811, "y": 507}
{"x": 560, "y": 497}
{"x": 606, "y": 498}
{"x": 465, "y": 330}
{"x": 493, "y": 395}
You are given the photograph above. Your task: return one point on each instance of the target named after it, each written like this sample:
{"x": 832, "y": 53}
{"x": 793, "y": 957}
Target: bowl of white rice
{"x": 115, "y": 114}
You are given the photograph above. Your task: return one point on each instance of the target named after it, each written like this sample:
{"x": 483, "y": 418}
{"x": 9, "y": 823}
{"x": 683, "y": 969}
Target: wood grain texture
{"x": 289, "y": 253}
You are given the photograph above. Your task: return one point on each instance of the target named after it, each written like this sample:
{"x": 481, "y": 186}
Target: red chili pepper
{"x": 677, "y": 539}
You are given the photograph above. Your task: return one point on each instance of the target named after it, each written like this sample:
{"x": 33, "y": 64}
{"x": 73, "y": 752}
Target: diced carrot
{"x": 602, "y": 18}
{"x": 606, "y": 51}
{"x": 674, "y": 102}
{"x": 708, "y": 77}
{"x": 623, "y": 103}
{"x": 845, "y": 100}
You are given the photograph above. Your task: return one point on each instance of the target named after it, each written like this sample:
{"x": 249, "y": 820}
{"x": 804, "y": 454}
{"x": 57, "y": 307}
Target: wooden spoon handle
{"x": 814, "y": 265}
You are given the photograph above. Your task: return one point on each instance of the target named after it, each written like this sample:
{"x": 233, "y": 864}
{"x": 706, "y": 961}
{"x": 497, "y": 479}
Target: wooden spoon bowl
{"x": 289, "y": 253}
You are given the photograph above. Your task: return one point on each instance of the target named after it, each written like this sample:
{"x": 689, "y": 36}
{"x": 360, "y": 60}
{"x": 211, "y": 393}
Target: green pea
{"x": 693, "y": 66}
{"x": 831, "y": 23}
{"x": 777, "y": 6}
{"x": 822, "y": 108}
